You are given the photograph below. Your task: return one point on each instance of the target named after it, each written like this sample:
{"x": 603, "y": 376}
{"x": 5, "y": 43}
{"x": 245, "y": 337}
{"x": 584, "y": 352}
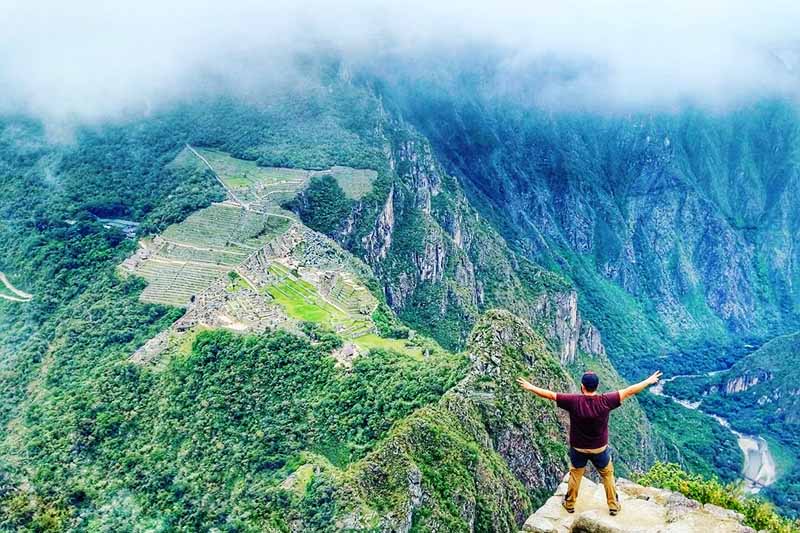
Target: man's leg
{"x": 605, "y": 468}
{"x": 577, "y": 467}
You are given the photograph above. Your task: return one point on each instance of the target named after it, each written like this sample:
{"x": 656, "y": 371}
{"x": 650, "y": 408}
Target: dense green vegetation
{"x": 673, "y": 226}
{"x": 232, "y": 414}
{"x": 64, "y": 352}
{"x": 323, "y": 205}
{"x": 107, "y": 443}
{"x": 758, "y": 514}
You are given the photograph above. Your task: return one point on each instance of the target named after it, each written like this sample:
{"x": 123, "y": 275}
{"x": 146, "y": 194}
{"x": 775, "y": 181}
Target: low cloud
{"x": 91, "y": 61}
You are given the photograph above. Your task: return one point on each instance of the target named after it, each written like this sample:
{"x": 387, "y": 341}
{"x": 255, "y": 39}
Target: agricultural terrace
{"x": 345, "y": 306}
{"x": 268, "y": 187}
{"x": 303, "y": 301}
{"x": 189, "y": 256}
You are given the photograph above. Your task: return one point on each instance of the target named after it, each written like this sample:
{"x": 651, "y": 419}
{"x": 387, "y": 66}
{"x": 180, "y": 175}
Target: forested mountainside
{"x": 678, "y": 228}
{"x": 266, "y": 314}
{"x": 117, "y": 414}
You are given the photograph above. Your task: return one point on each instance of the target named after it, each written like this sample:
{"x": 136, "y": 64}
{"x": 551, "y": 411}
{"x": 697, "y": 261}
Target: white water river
{"x": 759, "y": 469}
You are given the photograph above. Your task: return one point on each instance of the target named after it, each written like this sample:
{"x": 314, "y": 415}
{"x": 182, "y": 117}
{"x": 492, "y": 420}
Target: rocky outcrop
{"x": 559, "y": 316}
{"x": 414, "y": 161}
{"x": 472, "y": 461}
{"x": 746, "y": 381}
{"x": 644, "y": 509}
{"x": 379, "y": 240}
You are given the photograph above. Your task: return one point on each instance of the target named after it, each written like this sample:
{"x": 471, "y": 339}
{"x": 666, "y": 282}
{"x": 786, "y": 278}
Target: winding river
{"x": 759, "y": 469}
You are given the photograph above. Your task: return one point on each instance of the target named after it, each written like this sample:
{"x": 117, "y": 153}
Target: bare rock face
{"x": 644, "y": 510}
{"x": 747, "y": 381}
{"x": 378, "y": 242}
{"x": 559, "y": 314}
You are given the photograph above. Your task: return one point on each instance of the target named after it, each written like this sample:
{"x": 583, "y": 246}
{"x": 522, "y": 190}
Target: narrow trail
{"x": 21, "y": 296}
{"x": 221, "y": 182}
{"x": 759, "y": 468}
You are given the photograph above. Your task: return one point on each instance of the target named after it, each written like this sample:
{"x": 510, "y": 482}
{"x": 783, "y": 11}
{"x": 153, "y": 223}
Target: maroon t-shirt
{"x": 588, "y": 417}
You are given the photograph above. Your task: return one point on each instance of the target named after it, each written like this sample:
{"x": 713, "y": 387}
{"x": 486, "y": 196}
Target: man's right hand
{"x": 542, "y": 393}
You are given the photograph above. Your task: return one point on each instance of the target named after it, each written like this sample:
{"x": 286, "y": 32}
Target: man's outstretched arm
{"x": 633, "y": 390}
{"x": 542, "y": 393}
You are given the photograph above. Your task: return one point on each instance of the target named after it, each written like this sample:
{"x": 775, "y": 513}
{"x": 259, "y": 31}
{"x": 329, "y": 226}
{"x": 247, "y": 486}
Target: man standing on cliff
{"x": 588, "y": 431}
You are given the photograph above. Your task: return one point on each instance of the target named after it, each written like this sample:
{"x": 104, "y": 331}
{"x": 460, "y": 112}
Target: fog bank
{"x": 89, "y": 61}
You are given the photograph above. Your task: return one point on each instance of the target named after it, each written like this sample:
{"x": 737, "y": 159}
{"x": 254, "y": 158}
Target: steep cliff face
{"x": 676, "y": 228}
{"x": 747, "y": 380}
{"x": 441, "y": 263}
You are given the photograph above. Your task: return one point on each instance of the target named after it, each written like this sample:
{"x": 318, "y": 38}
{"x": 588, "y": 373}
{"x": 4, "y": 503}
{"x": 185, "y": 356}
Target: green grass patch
{"x": 355, "y": 182}
{"x": 238, "y": 182}
{"x": 299, "y": 480}
{"x": 372, "y": 341}
{"x": 188, "y": 338}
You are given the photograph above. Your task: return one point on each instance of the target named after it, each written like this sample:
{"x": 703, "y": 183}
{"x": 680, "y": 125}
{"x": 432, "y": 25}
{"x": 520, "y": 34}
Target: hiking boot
{"x": 613, "y": 512}
{"x": 568, "y": 509}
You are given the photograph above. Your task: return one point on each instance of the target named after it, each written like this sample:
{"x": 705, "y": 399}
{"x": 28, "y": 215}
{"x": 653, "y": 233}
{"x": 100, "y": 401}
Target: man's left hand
{"x": 524, "y": 384}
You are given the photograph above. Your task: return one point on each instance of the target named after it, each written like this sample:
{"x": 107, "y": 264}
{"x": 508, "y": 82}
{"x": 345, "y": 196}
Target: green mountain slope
{"x": 676, "y": 228}
{"x": 96, "y": 440}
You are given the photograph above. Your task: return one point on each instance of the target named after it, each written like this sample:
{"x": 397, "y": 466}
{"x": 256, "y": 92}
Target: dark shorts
{"x": 599, "y": 460}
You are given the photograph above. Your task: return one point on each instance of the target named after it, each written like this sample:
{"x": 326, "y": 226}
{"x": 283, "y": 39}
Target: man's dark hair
{"x": 590, "y": 381}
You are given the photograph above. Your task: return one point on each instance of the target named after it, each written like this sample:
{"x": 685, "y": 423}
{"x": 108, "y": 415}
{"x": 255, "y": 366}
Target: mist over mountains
{"x": 89, "y": 61}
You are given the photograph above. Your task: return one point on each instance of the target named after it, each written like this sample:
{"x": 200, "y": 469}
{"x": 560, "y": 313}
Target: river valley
{"x": 759, "y": 469}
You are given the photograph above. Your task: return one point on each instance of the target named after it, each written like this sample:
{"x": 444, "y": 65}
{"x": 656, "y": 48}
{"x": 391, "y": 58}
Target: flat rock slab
{"x": 644, "y": 509}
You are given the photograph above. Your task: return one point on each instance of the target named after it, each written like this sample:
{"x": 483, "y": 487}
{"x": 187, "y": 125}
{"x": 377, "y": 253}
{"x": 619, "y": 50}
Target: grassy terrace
{"x": 262, "y": 187}
{"x": 302, "y": 300}
{"x": 175, "y": 283}
{"x": 351, "y": 297}
{"x": 355, "y": 182}
{"x": 227, "y": 229}
{"x": 372, "y": 341}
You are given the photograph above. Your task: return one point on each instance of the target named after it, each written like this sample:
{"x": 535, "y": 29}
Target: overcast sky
{"x": 91, "y": 60}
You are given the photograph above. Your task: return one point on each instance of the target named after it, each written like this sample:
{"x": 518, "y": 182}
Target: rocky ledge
{"x": 644, "y": 509}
